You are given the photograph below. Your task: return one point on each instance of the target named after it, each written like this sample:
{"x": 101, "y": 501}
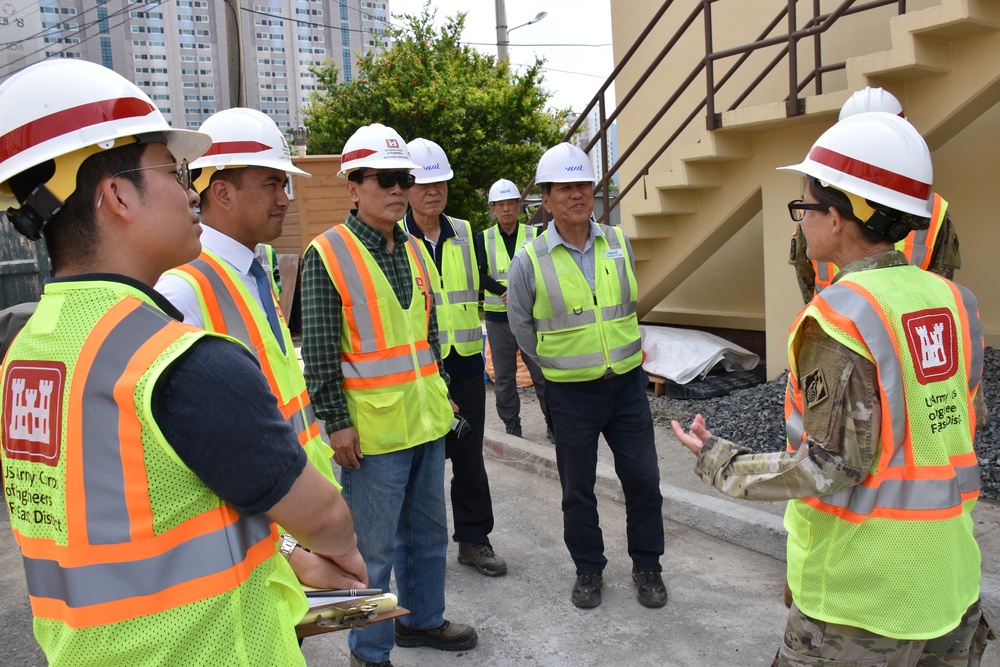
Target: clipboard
{"x": 329, "y": 614}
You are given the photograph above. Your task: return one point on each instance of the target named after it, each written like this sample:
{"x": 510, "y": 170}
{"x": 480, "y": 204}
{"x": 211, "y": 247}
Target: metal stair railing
{"x": 818, "y": 24}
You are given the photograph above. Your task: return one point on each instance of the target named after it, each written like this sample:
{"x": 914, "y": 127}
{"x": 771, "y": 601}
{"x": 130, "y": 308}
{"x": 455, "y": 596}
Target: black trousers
{"x": 471, "y": 503}
{"x": 616, "y": 407}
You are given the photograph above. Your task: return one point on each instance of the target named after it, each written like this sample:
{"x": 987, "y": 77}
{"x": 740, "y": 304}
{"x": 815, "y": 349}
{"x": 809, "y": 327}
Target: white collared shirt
{"x": 179, "y": 291}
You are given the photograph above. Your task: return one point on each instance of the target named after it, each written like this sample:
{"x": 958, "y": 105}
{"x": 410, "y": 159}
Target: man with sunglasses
{"x": 448, "y": 241}
{"x": 241, "y": 181}
{"x": 374, "y": 371}
{"x": 166, "y": 463}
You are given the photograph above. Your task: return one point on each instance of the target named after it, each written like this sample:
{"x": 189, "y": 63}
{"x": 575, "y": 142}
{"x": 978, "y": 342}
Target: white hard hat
{"x": 374, "y": 146}
{"x": 242, "y": 138}
{"x": 432, "y": 163}
{"x": 564, "y": 163}
{"x": 67, "y": 110}
{"x": 871, "y": 99}
{"x": 503, "y": 189}
{"x": 877, "y": 156}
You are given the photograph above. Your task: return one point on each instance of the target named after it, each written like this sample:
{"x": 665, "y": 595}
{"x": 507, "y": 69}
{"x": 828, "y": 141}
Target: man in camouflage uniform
{"x": 881, "y": 555}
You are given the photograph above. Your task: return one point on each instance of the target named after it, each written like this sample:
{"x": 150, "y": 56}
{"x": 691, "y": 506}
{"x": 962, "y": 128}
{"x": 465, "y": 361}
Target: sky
{"x": 574, "y": 39}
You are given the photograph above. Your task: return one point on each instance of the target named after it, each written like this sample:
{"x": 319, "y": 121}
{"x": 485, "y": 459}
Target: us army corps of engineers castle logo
{"x": 32, "y": 411}
{"x": 933, "y": 343}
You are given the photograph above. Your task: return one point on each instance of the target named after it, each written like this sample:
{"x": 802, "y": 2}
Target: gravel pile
{"x": 754, "y": 418}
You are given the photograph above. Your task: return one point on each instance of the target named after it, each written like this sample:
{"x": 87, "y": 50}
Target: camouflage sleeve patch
{"x": 945, "y": 257}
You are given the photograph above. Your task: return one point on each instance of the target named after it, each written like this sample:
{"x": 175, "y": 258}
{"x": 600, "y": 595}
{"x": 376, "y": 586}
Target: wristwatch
{"x": 287, "y": 545}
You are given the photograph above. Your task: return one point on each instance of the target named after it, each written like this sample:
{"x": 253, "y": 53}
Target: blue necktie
{"x": 267, "y": 300}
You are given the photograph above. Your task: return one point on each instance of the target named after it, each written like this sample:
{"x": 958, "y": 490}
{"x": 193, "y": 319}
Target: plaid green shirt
{"x": 322, "y": 322}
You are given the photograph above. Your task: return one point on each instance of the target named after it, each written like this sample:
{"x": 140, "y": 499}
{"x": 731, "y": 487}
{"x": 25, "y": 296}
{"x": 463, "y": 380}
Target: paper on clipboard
{"x": 328, "y": 613}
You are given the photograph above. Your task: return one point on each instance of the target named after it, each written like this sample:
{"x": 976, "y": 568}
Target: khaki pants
{"x": 811, "y": 643}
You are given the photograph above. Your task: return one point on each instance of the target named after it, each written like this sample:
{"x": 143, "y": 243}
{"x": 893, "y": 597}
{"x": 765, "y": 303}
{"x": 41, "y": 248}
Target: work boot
{"x": 448, "y": 637}
{"x": 358, "y": 662}
{"x": 514, "y": 429}
{"x": 652, "y": 592}
{"x": 587, "y": 589}
{"x": 482, "y": 557}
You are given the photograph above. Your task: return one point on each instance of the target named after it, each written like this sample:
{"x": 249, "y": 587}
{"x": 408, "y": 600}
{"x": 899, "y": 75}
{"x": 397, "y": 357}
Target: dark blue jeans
{"x": 618, "y": 408}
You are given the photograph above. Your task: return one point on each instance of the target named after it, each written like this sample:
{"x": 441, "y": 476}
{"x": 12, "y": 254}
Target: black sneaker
{"x": 587, "y": 589}
{"x": 482, "y": 557}
{"x": 514, "y": 429}
{"x": 448, "y": 637}
{"x": 358, "y": 662}
{"x": 652, "y": 592}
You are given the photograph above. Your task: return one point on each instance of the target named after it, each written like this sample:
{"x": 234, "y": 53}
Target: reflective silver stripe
{"x": 975, "y": 336}
{"x": 103, "y": 472}
{"x": 443, "y": 337}
{"x": 468, "y": 336}
{"x": 492, "y": 240}
{"x": 360, "y": 370}
{"x": 236, "y": 326}
{"x": 611, "y": 234}
{"x": 355, "y": 286}
{"x": 618, "y": 311}
{"x": 920, "y": 249}
{"x": 573, "y": 363}
{"x": 822, "y": 273}
{"x": 297, "y": 422}
{"x": 793, "y": 425}
{"x": 438, "y": 298}
{"x": 493, "y": 299}
{"x": 462, "y": 231}
{"x": 908, "y": 494}
{"x": 550, "y": 278}
{"x": 879, "y": 342}
{"x": 201, "y": 556}
{"x": 566, "y": 321}
{"x": 463, "y": 296}
{"x": 625, "y": 351}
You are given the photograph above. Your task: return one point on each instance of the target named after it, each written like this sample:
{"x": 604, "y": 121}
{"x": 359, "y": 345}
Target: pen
{"x": 345, "y": 593}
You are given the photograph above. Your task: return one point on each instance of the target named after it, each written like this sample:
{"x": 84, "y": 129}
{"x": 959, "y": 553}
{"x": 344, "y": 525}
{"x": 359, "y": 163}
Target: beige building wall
{"x": 747, "y": 283}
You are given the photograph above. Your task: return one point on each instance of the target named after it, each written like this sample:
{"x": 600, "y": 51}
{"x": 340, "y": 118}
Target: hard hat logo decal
{"x": 392, "y": 143}
{"x": 433, "y": 167}
{"x": 578, "y": 167}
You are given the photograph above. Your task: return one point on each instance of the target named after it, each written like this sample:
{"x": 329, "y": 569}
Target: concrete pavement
{"x": 723, "y": 568}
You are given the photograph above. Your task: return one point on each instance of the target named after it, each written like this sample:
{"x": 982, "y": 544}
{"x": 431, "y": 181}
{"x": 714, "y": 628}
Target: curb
{"x": 733, "y": 522}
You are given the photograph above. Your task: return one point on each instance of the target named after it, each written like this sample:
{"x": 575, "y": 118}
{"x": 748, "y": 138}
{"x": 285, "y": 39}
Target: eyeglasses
{"x": 182, "y": 173}
{"x": 797, "y": 209}
{"x": 387, "y": 179}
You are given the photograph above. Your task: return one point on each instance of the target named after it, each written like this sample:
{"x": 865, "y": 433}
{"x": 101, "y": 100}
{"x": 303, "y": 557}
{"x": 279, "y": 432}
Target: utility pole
{"x": 502, "y": 39}
{"x": 234, "y": 55}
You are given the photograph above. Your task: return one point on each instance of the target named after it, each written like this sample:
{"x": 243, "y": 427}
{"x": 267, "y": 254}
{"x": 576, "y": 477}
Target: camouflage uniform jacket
{"x": 841, "y": 430}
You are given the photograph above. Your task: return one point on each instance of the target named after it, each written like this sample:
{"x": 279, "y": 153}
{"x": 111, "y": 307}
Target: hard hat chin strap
{"x": 35, "y": 212}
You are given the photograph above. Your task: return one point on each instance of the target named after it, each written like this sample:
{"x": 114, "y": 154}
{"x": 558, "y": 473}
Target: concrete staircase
{"x": 943, "y": 64}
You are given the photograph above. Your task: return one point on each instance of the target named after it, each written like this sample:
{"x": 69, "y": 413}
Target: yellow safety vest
{"x": 498, "y": 262}
{"x": 129, "y": 557}
{"x": 895, "y": 554}
{"x": 583, "y": 334}
{"x": 456, "y": 294}
{"x": 395, "y": 394}
{"x": 228, "y": 308}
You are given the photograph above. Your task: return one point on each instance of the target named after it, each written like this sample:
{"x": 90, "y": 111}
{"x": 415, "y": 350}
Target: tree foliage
{"x": 491, "y": 121}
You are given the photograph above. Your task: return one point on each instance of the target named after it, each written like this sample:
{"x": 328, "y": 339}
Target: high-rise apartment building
{"x": 182, "y": 52}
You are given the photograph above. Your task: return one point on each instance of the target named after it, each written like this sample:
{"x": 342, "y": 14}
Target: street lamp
{"x": 503, "y": 33}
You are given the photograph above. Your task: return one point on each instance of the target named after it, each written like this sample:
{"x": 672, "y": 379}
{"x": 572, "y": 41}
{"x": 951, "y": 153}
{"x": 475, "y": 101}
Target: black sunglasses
{"x": 387, "y": 179}
{"x": 797, "y": 209}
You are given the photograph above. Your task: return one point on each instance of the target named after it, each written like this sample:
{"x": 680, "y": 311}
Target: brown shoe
{"x": 788, "y": 596}
{"x": 482, "y": 557}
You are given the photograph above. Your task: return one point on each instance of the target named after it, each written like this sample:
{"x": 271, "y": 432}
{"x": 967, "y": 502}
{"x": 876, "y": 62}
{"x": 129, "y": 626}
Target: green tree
{"x": 491, "y": 121}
